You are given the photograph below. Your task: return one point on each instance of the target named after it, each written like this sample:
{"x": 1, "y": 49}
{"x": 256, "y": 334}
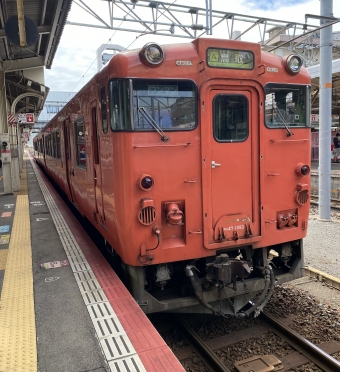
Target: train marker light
{"x": 302, "y": 169}
{"x": 145, "y": 182}
{"x": 152, "y": 54}
{"x": 293, "y": 64}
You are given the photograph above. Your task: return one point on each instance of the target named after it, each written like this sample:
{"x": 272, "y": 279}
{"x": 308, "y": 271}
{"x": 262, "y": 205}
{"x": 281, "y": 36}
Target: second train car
{"x": 192, "y": 161}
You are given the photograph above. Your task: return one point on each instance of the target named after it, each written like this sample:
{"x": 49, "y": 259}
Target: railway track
{"x": 335, "y": 204}
{"x": 214, "y": 354}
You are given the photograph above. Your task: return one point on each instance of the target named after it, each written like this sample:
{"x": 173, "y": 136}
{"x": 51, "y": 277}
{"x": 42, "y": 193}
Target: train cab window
{"x": 287, "y": 105}
{"x": 103, "y": 107}
{"x": 80, "y": 143}
{"x": 230, "y": 118}
{"x": 167, "y": 104}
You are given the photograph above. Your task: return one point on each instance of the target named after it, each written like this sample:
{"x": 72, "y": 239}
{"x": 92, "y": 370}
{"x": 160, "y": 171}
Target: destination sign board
{"x": 162, "y": 90}
{"x": 230, "y": 58}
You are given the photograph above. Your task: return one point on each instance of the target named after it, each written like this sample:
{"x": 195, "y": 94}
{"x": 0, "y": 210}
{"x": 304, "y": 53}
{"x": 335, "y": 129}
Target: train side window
{"x": 103, "y": 107}
{"x": 119, "y": 96}
{"x": 80, "y": 143}
{"x": 46, "y": 145}
{"x": 230, "y": 118}
{"x": 58, "y": 144}
{"x": 67, "y": 141}
{"x": 54, "y": 144}
{"x": 287, "y": 105}
{"x": 49, "y": 145}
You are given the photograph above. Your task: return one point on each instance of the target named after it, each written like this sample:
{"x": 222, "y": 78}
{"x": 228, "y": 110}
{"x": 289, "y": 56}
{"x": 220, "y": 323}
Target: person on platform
{"x": 336, "y": 149}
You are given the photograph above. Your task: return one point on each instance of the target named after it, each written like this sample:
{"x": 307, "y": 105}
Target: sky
{"x": 75, "y": 60}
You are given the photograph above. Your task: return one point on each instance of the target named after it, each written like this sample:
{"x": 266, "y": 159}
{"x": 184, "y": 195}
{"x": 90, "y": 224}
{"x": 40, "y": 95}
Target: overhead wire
{"x": 147, "y": 33}
{"x": 107, "y": 43}
{"x": 109, "y": 40}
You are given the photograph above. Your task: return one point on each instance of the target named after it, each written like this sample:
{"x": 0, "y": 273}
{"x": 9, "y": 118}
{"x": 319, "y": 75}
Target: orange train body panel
{"x": 184, "y": 159}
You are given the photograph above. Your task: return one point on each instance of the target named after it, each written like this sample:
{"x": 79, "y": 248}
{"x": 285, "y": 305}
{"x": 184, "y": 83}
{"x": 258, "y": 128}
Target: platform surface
{"x": 62, "y": 307}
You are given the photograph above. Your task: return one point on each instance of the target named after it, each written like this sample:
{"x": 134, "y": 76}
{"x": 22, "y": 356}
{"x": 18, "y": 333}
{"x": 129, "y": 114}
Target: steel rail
{"x": 335, "y": 207}
{"x": 320, "y": 358}
{"x": 208, "y": 357}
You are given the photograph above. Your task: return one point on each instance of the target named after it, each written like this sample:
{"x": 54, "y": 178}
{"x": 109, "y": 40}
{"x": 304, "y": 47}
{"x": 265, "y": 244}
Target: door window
{"x": 230, "y": 118}
{"x": 95, "y": 136}
{"x": 80, "y": 143}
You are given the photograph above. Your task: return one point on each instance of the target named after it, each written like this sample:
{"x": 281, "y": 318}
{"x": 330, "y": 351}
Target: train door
{"x": 230, "y": 148}
{"x": 68, "y": 155}
{"x": 96, "y": 166}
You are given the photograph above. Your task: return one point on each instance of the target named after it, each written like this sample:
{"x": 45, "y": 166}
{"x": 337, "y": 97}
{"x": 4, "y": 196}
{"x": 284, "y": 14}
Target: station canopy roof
{"x": 315, "y": 75}
{"x": 43, "y": 23}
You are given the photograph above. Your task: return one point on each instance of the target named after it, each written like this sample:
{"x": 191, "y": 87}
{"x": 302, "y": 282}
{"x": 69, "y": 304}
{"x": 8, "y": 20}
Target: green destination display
{"x": 162, "y": 90}
{"x": 230, "y": 58}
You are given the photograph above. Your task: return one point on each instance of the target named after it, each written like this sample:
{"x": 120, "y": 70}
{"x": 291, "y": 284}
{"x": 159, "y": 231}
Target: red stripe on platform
{"x": 155, "y": 355}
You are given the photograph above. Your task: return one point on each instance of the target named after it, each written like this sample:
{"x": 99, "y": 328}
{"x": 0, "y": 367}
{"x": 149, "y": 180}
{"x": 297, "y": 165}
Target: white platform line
{"x": 116, "y": 346}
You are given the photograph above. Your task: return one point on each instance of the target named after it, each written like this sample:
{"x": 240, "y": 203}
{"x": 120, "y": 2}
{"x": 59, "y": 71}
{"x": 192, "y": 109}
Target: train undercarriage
{"x": 238, "y": 282}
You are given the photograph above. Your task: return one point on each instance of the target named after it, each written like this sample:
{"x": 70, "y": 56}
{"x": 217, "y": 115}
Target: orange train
{"x": 192, "y": 161}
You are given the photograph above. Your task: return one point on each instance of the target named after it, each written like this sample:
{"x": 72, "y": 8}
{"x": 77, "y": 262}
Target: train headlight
{"x": 302, "y": 169}
{"x": 145, "y": 182}
{"x": 152, "y": 55}
{"x": 293, "y": 64}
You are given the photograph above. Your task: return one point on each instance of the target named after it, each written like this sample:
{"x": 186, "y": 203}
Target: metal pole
{"x": 6, "y": 179}
{"x": 207, "y": 16}
{"x": 325, "y": 109}
{"x": 210, "y": 17}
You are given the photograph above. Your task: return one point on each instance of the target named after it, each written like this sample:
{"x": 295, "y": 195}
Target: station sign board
{"x": 314, "y": 117}
{"x": 25, "y": 118}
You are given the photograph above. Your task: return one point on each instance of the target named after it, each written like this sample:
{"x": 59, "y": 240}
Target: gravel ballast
{"x": 322, "y": 244}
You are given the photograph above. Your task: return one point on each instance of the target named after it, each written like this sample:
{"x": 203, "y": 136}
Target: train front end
{"x": 211, "y": 152}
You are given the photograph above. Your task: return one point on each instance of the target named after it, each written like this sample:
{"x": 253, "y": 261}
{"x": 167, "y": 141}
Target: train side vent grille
{"x": 302, "y": 197}
{"x": 147, "y": 215}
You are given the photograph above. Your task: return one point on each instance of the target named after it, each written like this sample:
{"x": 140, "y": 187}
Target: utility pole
{"x": 326, "y": 40}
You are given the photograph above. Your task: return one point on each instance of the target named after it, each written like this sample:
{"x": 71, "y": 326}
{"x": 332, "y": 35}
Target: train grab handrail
{"x": 162, "y": 145}
{"x": 288, "y": 140}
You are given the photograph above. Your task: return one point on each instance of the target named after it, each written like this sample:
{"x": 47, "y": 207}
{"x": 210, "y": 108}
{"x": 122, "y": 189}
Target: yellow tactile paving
{"x": 3, "y": 258}
{"x": 18, "y": 351}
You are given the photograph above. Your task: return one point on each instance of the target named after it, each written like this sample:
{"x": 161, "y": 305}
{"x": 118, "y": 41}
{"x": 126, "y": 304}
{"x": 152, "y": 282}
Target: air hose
{"x": 257, "y": 307}
{"x": 190, "y": 274}
{"x": 266, "y": 293}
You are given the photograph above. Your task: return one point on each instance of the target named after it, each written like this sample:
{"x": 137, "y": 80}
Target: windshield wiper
{"x": 153, "y": 124}
{"x": 289, "y": 132}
